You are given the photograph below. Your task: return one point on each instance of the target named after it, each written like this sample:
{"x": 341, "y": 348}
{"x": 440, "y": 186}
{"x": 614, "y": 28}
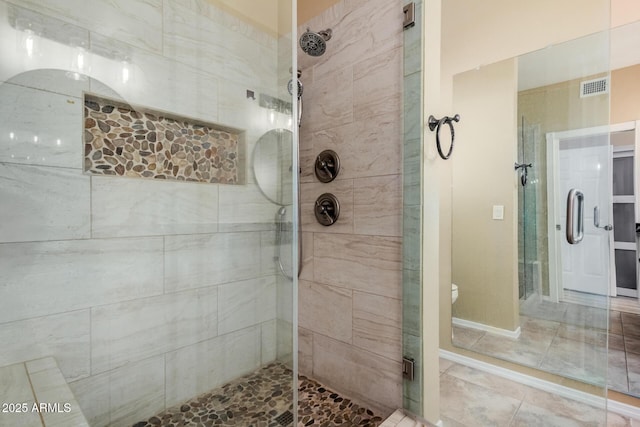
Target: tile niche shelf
{"x": 121, "y": 140}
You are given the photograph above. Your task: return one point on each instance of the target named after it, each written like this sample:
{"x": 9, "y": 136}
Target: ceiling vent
{"x": 594, "y": 87}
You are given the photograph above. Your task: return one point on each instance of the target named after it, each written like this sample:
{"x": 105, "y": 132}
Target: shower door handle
{"x": 575, "y": 229}
{"x": 596, "y": 220}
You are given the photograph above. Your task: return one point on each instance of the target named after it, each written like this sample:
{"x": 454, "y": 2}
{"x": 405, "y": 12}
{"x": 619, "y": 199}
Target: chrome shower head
{"x": 314, "y": 44}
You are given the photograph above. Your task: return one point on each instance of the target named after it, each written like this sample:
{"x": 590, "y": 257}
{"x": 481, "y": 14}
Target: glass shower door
{"x": 136, "y": 248}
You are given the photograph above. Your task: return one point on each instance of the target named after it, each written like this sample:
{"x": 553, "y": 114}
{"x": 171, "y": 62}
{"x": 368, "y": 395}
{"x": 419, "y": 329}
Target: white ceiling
{"x": 580, "y": 58}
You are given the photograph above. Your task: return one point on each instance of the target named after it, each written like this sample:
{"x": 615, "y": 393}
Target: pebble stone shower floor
{"x": 262, "y": 399}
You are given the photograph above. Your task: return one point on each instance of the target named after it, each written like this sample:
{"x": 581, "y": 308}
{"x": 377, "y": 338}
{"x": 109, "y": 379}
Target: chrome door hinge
{"x": 408, "y": 366}
{"x": 409, "y": 15}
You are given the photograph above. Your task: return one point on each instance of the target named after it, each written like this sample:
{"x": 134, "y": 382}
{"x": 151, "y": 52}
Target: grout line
{"x": 546, "y": 352}
{"x": 164, "y": 265}
{"x": 513, "y": 417}
{"x": 33, "y": 391}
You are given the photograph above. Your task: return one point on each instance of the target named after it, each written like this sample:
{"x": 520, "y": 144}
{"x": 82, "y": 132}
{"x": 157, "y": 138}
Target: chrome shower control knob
{"x": 327, "y": 166}
{"x": 327, "y": 209}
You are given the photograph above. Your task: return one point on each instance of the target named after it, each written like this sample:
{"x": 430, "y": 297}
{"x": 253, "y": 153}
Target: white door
{"x": 584, "y": 164}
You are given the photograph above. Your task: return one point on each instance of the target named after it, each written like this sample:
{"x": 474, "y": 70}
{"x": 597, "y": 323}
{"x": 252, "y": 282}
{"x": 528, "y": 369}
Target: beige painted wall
{"x": 624, "y": 12}
{"x": 431, "y": 253}
{"x": 625, "y": 94}
{"x": 263, "y": 14}
{"x": 484, "y": 258}
{"x": 308, "y": 9}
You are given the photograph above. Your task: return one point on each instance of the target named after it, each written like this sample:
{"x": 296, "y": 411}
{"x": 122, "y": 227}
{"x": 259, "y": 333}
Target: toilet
{"x": 454, "y": 293}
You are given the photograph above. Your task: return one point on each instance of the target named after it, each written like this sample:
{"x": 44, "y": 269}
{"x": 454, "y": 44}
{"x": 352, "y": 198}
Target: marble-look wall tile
{"x": 412, "y": 238}
{"x": 50, "y": 386}
{"x": 134, "y": 330}
{"x": 269, "y": 342}
{"x": 412, "y": 107}
{"x": 270, "y": 250}
{"x": 52, "y": 81}
{"x": 15, "y": 388}
{"x": 229, "y": 21}
{"x": 52, "y": 48}
{"x": 193, "y": 35}
{"x": 326, "y": 310}
{"x": 42, "y": 203}
{"x": 236, "y": 110}
{"x": 305, "y": 351}
{"x": 377, "y": 205}
{"x": 137, "y": 22}
{"x": 186, "y": 91}
{"x": 411, "y": 302}
{"x": 377, "y": 86}
{"x": 194, "y": 261}
{"x": 51, "y": 277}
{"x": 365, "y": 30}
{"x": 412, "y": 173}
{"x": 39, "y": 128}
{"x": 246, "y": 303}
{"x": 137, "y": 207}
{"x": 123, "y": 396}
{"x": 332, "y": 100}
{"x": 285, "y": 342}
{"x": 367, "y": 263}
{"x": 307, "y": 256}
{"x": 343, "y": 190}
{"x": 377, "y": 324}
{"x": 93, "y": 397}
{"x": 63, "y": 336}
{"x": 197, "y": 368}
{"x": 244, "y": 208}
{"x": 308, "y": 154}
{"x": 368, "y": 147}
{"x": 345, "y": 367}
{"x": 284, "y": 298}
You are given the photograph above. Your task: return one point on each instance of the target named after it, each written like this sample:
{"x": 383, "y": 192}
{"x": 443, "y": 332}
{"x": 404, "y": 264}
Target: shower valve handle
{"x": 326, "y": 166}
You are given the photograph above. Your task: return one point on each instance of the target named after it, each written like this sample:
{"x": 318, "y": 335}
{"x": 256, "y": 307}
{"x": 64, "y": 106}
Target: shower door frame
{"x": 555, "y": 239}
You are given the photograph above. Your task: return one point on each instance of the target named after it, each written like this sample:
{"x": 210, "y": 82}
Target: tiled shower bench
{"x": 35, "y": 394}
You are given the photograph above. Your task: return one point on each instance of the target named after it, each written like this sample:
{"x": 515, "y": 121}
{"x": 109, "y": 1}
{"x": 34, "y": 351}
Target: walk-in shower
{"x": 126, "y": 130}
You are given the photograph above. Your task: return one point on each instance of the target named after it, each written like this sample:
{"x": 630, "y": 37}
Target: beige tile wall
{"x": 350, "y": 306}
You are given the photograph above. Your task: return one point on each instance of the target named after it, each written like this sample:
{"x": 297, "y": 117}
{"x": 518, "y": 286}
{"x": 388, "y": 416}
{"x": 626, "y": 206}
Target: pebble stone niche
{"x": 263, "y": 399}
{"x": 122, "y": 141}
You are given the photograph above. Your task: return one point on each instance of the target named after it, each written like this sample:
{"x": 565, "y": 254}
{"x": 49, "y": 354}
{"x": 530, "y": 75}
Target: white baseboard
{"x": 482, "y": 327}
{"x": 560, "y": 390}
{"x": 582, "y": 298}
{"x": 625, "y": 304}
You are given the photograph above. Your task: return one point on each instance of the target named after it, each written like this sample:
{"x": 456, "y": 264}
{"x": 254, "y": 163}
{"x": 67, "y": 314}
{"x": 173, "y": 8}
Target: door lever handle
{"x": 596, "y": 220}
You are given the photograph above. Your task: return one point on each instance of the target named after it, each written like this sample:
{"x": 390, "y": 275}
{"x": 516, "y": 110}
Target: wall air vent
{"x": 594, "y": 87}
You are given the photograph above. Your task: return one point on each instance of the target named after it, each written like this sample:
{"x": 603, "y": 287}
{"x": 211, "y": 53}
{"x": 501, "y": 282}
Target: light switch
{"x": 498, "y": 212}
